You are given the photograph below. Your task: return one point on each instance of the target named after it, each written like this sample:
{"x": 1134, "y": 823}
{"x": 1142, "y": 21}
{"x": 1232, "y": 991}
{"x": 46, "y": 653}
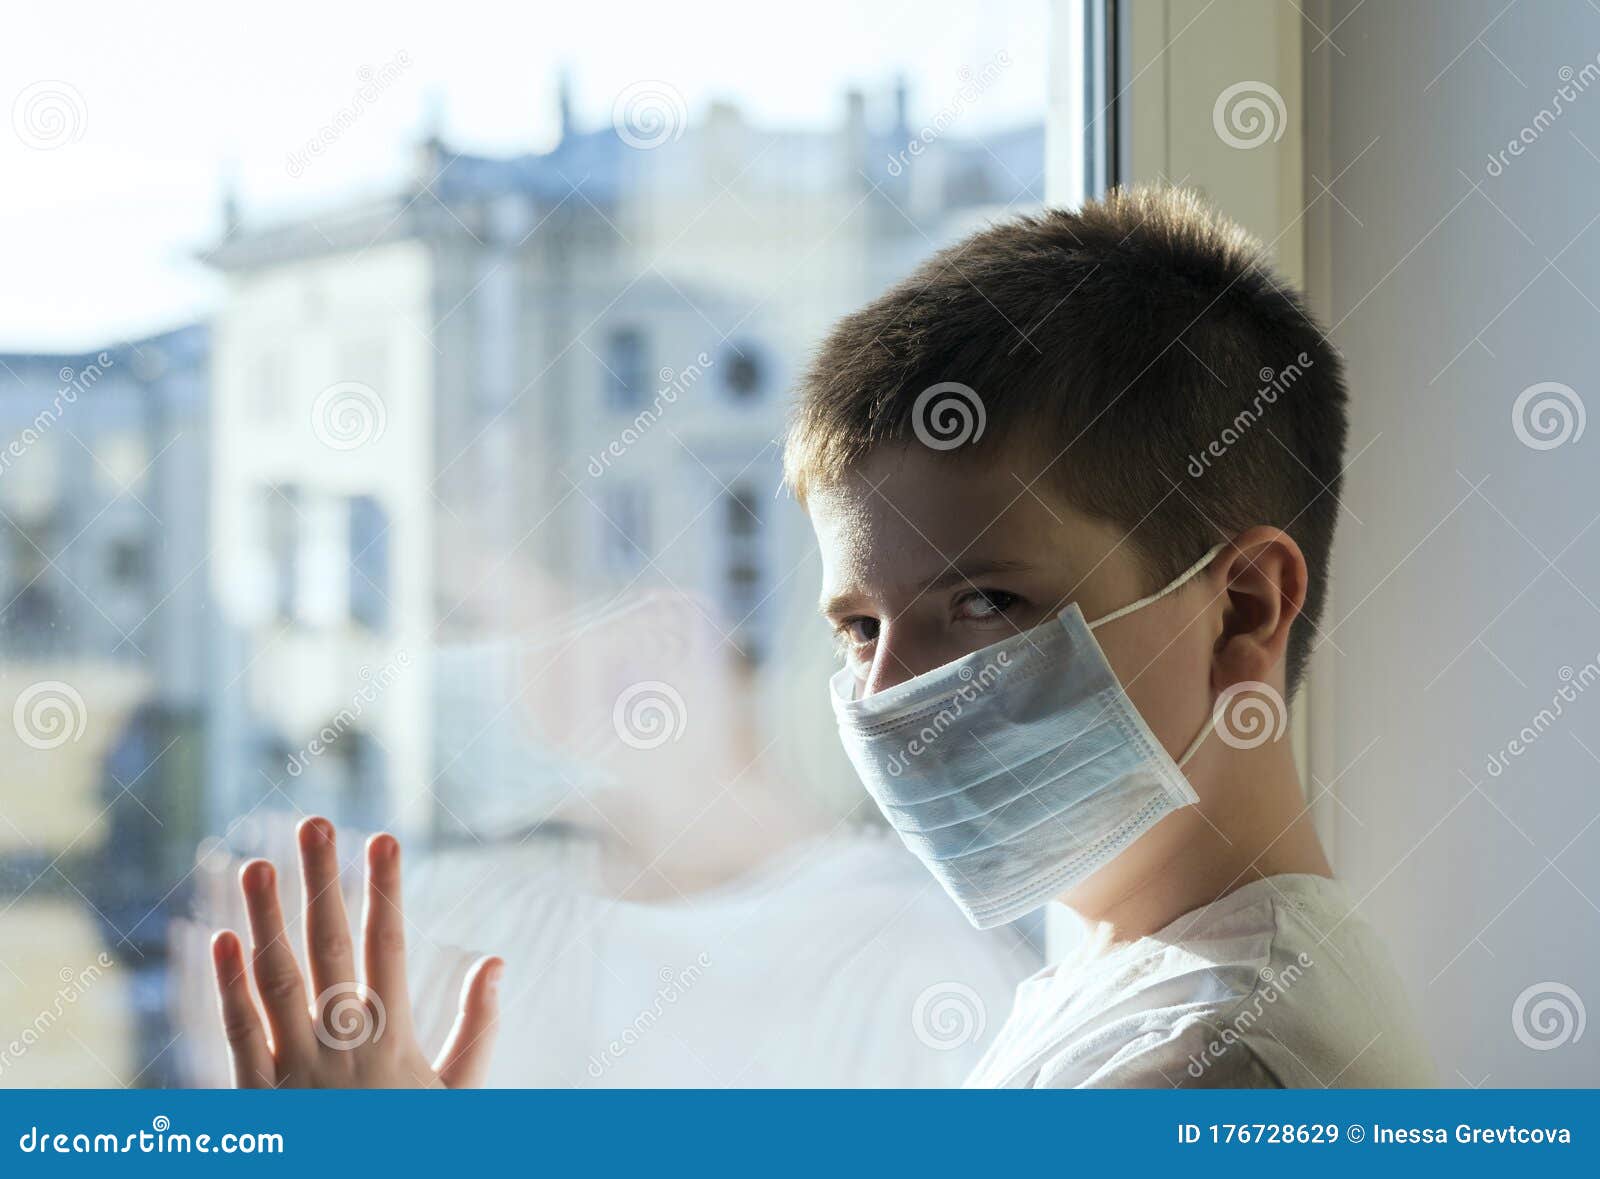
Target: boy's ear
{"x": 1266, "y": 587}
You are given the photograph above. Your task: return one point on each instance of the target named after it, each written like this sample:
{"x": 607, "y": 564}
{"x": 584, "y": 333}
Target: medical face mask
{"x": 1018, "y": 770}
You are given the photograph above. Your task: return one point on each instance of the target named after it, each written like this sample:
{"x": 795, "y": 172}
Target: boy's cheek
{"x": 1168, "y": 681}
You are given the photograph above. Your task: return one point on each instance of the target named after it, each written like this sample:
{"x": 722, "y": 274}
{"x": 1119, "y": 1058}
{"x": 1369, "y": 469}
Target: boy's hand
{"x": 339, "y": 1035}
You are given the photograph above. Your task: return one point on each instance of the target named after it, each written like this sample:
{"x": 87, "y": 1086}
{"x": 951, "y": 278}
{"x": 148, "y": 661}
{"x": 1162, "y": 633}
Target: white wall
{"x": 1466, "y": 575}
{"x": 1467, "y": 570}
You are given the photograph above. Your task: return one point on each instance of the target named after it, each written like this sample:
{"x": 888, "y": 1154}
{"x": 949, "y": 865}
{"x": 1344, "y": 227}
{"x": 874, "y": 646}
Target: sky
{"x": 120, "y": 125}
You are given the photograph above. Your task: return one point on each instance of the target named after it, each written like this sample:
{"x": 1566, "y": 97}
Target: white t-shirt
{"x": 1279, "y": 984}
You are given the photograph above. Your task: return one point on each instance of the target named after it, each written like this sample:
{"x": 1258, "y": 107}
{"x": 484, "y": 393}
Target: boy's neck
{"x": 1252, "y": 822}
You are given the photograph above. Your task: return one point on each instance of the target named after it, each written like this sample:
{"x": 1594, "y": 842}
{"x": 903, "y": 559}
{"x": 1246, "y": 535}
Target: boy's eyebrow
{"x": 970, "y": 571}
{"x": 965, "y": 573}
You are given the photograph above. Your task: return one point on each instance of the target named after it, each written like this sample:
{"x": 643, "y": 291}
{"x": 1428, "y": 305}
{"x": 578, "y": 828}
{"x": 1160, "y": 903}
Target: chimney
{"x": 854, "y": 140}
{"x": 855, "y": 111}
{"x": 564, "y": 102}
{"x": 231, "y": 218}
{"x": 430, "y": 151}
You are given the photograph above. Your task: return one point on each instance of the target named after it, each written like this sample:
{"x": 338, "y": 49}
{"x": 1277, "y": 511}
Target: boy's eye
{"x": 986, "y": 605}
{"x": 858, "y": 632}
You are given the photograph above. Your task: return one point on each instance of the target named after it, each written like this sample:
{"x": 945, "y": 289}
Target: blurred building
{"x": 519, "y": 387}
{"x": 103, "y": 510}
{"x": 105, "y": 647}
{"x": 102, "y": 488}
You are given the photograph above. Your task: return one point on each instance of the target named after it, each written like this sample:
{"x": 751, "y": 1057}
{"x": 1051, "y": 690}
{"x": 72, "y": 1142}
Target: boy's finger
{"x": 464, "y": 1062}
{"x": 383, "y": 932}
{"x": 248, "y": 1054}
{"x": 278, "y": 980}
{"x": 328, "y": 948}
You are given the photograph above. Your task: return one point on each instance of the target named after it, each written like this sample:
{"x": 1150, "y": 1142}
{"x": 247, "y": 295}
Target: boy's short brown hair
{"x": 1140, "y": 355}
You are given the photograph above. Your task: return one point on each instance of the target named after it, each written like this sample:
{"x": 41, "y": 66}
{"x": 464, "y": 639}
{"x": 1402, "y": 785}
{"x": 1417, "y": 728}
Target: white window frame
{"x": 1133, "y": 89}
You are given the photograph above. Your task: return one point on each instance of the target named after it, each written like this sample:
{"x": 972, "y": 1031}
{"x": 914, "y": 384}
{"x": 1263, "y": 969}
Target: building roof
{"x": 146, "y": 356}
{"x": 602, "y": 170}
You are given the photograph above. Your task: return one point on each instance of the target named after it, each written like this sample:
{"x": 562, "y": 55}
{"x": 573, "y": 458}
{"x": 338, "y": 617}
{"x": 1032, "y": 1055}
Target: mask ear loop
{"x": 1177, "y": 583}
{"x": 1199, "y": 739}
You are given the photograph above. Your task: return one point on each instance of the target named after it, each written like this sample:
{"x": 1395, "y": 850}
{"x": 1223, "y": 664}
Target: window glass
{"x": 626, "y": 381}
{"x": 430, "y": 480}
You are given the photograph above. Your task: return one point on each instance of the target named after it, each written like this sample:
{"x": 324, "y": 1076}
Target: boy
{"x": 1125, "y": 413}
{"x": 1074, "y": 483}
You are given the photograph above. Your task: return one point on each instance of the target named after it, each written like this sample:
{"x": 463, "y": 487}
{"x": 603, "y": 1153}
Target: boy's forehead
{"x": 900, "y": 514}
{"x": 943, "y": 504}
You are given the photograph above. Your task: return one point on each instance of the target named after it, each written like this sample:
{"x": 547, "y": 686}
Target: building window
{"x": 625, "y": 547}
{"x": 743, "y": 513}
{"x": 124, "y": 461}
{"x": 322, "y": 591}
{"x": 270, "y": 402}
{"x": 369, "y": 563}
{"x": 627, "y": 369}
{"x": 744, "y": 591}
{"x": 361, "y": 799}
{"x": 33, "y": 486}
{"x": 125, "y": 564}
{"x": 33, "y": 624}
{"x": 283, "y": 549}
{"x": 743, "y": 374}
